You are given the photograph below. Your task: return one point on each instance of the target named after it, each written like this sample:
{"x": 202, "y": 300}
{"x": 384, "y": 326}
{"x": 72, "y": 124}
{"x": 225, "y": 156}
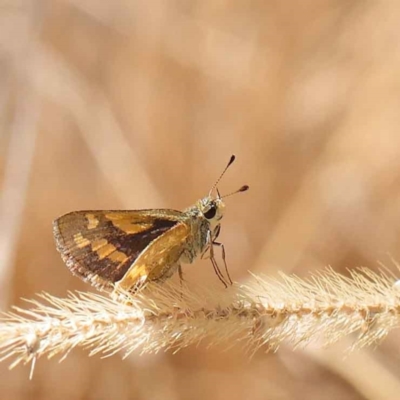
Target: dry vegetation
{"x": 261, "y": 315}
{"x": 132, "y": 104}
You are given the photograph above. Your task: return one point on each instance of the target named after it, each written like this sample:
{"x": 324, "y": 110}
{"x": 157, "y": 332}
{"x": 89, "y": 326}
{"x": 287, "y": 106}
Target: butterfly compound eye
{"x": 210, "y": 214}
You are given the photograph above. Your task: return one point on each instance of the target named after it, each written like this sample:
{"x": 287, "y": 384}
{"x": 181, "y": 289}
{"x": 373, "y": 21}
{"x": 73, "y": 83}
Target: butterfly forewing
{"x": 105, "y": 247}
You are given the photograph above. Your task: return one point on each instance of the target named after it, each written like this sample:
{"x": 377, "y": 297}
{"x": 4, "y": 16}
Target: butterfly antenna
{"x": 242, "y": 189}
{"x": 231, "y": 160}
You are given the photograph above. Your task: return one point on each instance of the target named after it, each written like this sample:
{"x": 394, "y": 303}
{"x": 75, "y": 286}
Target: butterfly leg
{"x": 224, "y": 259}
{"x": 206, "y": 253}
{"x": 180, "y": 272}
{"x": 181, "y": 280}
{"x": 215, "y": 265}
{"x": 169, "y": 272}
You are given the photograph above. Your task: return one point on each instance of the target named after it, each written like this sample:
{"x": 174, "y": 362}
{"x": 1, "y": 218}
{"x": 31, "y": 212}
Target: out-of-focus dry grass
{"x": 136, "y": 104}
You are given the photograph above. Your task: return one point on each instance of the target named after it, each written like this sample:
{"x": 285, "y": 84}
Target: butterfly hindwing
{"x": 160, "y": 259}
{"x": 103, "y": 246}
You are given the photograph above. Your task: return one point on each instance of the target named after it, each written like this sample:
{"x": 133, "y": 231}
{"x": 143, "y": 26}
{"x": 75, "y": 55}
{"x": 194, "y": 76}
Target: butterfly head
{"x": 212, "y": 207}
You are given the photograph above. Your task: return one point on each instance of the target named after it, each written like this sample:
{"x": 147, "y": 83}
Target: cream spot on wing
{"x": 92, "y": 221}
{"x": 98, "y": 244}
{"x": 80, "y": 241}
{"x": 105, "y": 251}
{"x": 118, "y": 256}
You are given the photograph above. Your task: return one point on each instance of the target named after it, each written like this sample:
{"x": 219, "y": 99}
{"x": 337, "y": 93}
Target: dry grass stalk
{"x": 261, "y": 314}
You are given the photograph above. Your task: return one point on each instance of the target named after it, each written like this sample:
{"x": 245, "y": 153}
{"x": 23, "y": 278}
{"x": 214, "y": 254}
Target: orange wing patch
{"x": 130, "y": 226}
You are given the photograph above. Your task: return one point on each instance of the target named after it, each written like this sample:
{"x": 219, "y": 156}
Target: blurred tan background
{"x": 139, "y": 104}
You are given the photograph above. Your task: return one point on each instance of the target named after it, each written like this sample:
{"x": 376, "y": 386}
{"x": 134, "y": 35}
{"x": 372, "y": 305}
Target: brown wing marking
{"x": 156, "y": 262}
{"x": 100, "y": 246}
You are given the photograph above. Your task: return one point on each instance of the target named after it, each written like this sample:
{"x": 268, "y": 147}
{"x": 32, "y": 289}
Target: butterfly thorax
{"x": 204, "y": 218}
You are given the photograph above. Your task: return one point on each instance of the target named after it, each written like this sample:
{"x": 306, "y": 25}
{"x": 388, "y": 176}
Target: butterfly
{"x": 114, "y": 249}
